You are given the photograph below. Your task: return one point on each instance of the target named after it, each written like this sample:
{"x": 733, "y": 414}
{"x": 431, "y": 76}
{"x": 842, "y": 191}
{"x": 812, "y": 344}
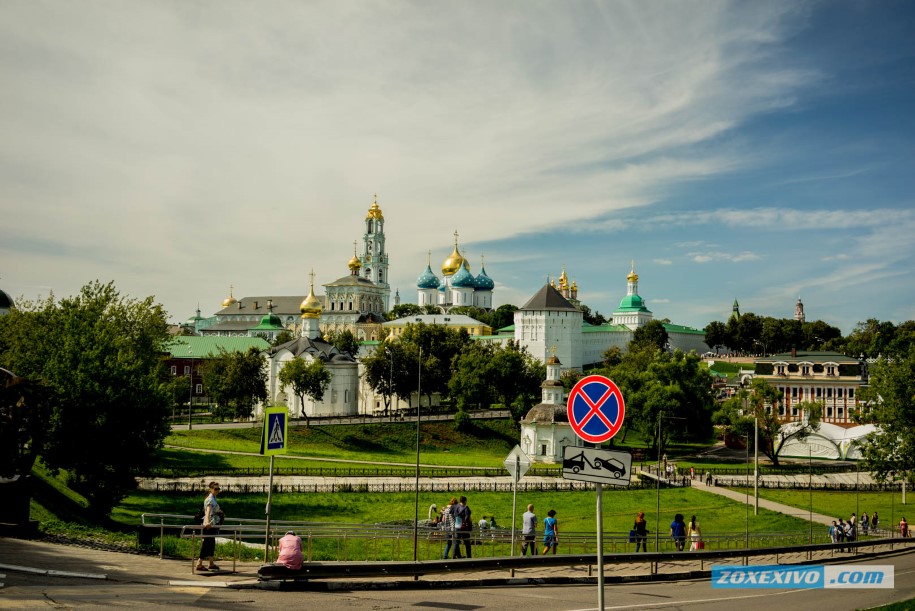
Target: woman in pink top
{"x": 290, "y": 551}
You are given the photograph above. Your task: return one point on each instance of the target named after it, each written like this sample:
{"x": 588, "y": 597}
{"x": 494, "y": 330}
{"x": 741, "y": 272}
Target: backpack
{"x": 198, "y": 517}
{"x": 464, "y": 522}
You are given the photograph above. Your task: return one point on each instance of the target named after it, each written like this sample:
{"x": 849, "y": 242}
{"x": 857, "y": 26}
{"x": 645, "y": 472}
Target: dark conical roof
{"x": 548, "y": 298}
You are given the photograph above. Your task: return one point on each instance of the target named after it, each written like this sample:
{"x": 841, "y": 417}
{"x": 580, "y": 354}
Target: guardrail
{"x": 342, "y": 542}
{"x": 324, "y": 570}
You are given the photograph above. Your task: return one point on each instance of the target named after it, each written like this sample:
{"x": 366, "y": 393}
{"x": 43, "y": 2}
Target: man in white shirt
{"x": 529, "y": 531}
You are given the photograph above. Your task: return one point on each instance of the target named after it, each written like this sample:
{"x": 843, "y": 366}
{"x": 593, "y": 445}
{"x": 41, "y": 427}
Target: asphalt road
{"x": 35, "y": 591}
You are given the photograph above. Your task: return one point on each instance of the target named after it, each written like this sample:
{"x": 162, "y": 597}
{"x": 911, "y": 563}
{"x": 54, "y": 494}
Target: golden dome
{"x": 455, "y": 261}
{"x": 633, "y": 277}
{"x": 354, "y": 263}
{"x": 311, "y": 307}
{"x": 574, "y": 286}
{"x": 375, "y": 211}
{"x": 230, "y": 300}
{"x": 563, "y": 279}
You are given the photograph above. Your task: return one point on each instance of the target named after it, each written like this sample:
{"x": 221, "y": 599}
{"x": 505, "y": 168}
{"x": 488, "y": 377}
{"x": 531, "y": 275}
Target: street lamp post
{"x": 390, "y": 404}
{"x": 657, "y": 540}
{"x": 419, "y": 400}
{"x": 190, "y": 397}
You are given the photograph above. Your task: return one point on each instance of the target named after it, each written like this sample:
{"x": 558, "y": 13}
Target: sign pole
{"x": 515, "y": 499}
{"x": 269, "y": 498}
{"x": 273, "y": 441}
{"x": 600, "y": 546}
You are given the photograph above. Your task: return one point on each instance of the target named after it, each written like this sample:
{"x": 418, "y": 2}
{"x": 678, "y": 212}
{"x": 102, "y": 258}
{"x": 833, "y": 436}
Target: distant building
{"x": 341, "y": 396}
{"x": 545, "y": 429}
{"x": 355, "y": 302}
{"x": 187, "y": 353}
{"x": 799, "y": 311}
{"x": 458, "y": 286}
{"x": 830, "y": 378}
{"x": 453, "y": 321}
{"x": 548, "y": 320}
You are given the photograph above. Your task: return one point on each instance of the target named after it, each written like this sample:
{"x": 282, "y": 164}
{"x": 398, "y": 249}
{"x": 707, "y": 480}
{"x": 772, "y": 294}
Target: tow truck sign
{"x": 596, "y": 465}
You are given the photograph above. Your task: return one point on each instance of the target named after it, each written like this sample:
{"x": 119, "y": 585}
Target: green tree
{"x": 178, "y": 391}
{"x": 282, "y": 337}
{"x": 716, "y": 335}
{"x": 503, "y": 316}
{"x": 592, "y": 318}
{"x": 760, "y": 402}
{"x": 404, "y": 309}
{"x": 651, "y": 334}
{"x": 889, "y": 403}
{"x": 344, "y": 341}
{"x": 99, "y": 356}
{"x": 438, "y": 345}
{"x": 483, "y": 374}
{"x": 24, "y": 412}
{"x": 306, "y": 380}
{"x": 380, "y": 369}
{"x": 237, "y": 381}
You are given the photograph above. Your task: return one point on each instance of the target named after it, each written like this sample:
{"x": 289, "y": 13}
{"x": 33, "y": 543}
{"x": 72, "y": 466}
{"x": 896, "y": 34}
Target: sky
{"x": 758, "y": 151}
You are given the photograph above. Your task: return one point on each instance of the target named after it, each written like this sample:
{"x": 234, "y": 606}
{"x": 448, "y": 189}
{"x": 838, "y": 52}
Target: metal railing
{"x": 343, "y": 542}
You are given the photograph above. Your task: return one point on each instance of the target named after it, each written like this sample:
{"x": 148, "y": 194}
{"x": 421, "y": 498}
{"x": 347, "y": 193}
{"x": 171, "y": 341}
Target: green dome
{"x": 631, "y": 303}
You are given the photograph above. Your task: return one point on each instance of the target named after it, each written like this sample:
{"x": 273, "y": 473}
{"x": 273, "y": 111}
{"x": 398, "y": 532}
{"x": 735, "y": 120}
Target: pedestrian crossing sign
{"x": 276, "y": 420}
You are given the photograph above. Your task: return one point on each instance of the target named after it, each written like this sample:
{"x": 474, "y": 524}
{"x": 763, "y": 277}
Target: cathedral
{"x": 355, "y": 302}
{"x": 458, "y": 287}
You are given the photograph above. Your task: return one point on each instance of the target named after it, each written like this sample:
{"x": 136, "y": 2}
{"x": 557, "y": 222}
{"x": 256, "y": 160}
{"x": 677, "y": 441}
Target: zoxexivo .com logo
{"x": 779, "y": 576}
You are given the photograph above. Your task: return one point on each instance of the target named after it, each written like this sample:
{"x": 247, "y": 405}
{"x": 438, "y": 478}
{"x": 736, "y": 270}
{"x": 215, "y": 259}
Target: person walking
{"x": 212, "y": 517}
{"x": 842, "y": 533}
{"x": 874, "y": 521}
{"x": 903, "y": 528}
{"x": 865, "y": 522}
{"x": 529, "y": 531}
{"x": 464, "y": 526}
{"x": 708, "y": 478}
{"x": 833, "y": 532}
{"x": 449, "y": 528}
{"x": 695, "y": 535}
{"x": 641, "y": 532}
{"x": 550, "y": 532}
{"x": 678, "y": 532}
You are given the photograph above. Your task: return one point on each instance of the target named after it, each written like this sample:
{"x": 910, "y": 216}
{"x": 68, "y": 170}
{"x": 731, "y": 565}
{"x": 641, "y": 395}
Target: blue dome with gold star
{"x": 463, "y": 278}
{"x": 427, "y": 280}
{"x": 484, "y": 282}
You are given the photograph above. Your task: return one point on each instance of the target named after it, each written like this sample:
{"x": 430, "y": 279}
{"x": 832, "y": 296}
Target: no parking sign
{"x": 596, "y": 409}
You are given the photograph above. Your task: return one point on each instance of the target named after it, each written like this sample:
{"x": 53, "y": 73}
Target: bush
{"x": 462, "y": 421}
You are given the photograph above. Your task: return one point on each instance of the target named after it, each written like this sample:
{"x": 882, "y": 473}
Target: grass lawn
{"x": 485, "y": 444}
{"x": 888, "y": 505}
{"x": 575, "y": 510}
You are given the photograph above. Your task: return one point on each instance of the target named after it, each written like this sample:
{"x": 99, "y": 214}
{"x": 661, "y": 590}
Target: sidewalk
{"x": 21, "y": 558}
{"x": 765, "y": 504}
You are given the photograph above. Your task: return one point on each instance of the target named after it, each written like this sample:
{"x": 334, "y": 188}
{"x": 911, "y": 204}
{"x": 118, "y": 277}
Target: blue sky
{"x": 752, "y": 150}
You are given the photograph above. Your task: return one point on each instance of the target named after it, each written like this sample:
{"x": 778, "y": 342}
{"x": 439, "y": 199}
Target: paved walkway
{"x": 22, "y": 558}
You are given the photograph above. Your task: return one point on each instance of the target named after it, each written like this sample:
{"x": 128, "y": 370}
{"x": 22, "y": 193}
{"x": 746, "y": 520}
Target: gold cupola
{"x": 375, "y": 211}
{"x": 354, "y": 263}
{"x": 563, "y": 279}
{"x": 633, "y": 277}
{"x": 230, "y": 300}
{"x": 455, "y": 261}
{"x": 311, "y": 306}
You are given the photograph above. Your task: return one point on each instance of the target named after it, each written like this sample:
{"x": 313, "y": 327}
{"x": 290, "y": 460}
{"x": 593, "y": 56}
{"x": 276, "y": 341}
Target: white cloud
{"x": 181, "y": 147}
{"x": 714, "y": 256}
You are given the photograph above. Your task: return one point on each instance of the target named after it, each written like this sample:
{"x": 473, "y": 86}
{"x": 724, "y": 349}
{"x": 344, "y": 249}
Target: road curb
{"x": 51, "y": 572}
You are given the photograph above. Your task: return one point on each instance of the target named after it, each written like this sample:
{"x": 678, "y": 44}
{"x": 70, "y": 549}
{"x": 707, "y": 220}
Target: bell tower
{"x": 374, "y": 258}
